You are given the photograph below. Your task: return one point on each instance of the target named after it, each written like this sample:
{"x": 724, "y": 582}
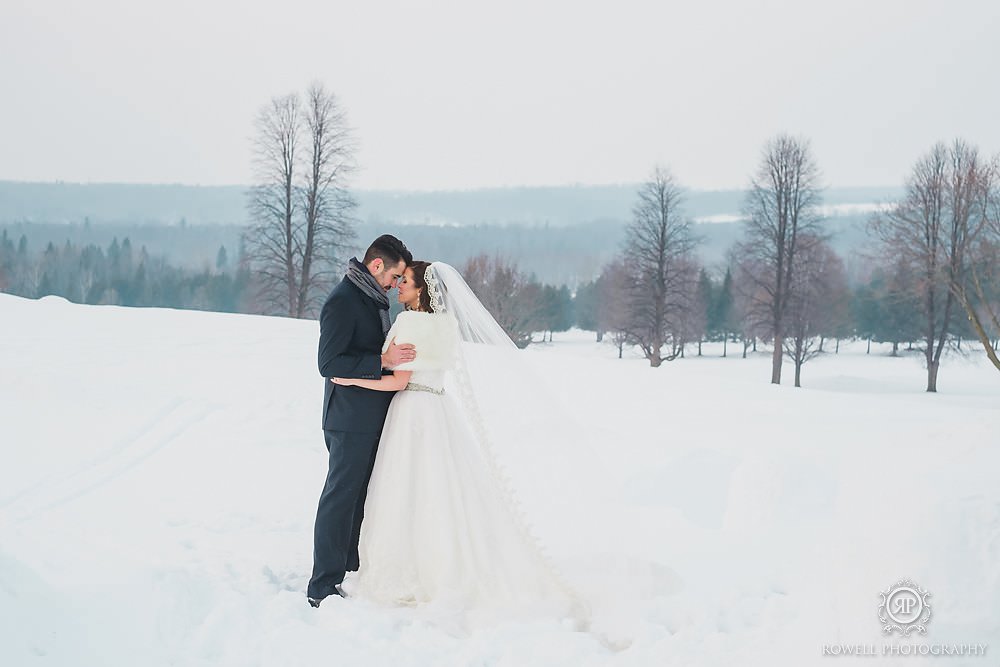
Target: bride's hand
{"x": 344, "y": 382}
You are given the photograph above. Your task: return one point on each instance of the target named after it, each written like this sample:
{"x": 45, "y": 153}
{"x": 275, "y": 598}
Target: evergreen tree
{"x": 44, "y": 286}
{"x": 866, "y": 313}
{"x": 221, "y": 260}
{"x": 585, "y": 303}
{"x": 899, "y": 308}
{"x": 724, "y": 323}
{"x": 8, "y": 261}
{"x": 704, "y": 304}
{"x": 563, "y": 319}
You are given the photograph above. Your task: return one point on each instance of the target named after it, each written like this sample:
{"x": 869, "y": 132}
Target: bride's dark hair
{"x": 419, "y": 267}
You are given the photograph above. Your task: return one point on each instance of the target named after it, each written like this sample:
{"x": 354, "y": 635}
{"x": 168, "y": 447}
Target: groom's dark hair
{"x": 390, "y": 249}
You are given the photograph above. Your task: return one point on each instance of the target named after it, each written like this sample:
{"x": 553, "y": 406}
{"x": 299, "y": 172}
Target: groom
{"x": 353, "y": 325}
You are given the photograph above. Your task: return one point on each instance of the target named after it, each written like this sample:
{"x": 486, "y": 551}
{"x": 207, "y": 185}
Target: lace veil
{"x": 449, "y": 293}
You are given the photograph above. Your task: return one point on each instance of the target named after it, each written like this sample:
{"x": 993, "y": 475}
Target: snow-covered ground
{"x": 159, "y": 472}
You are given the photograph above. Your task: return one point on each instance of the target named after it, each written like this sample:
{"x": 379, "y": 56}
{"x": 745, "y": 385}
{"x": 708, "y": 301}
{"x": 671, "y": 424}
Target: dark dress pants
{"x": 341, "y": 509}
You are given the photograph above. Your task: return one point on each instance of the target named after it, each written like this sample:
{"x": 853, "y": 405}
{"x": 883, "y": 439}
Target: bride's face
{"x": 409, "y": 295}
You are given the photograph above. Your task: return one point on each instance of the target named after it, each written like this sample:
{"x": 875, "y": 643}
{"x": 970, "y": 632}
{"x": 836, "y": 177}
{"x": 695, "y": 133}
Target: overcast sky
{"x": 454, "y": 95}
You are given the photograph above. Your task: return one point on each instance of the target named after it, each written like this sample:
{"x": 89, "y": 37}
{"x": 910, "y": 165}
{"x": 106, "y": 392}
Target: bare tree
{"x": 273, "y": 241}
{"x": 819, "y": 285}
{"x": 782, "y": 217}
{"x": 835, "y": 321}
{"x": 934, "y": 229}
{"x": 300, "y": 205}
{"x": 751, "y": 303}
{"x": 515, "y": 302}
{"x": 657, "y": 249}
{"x": 327, "y": 204}
{"x": 687, "y": 317}
{"x": 613, "y": 302}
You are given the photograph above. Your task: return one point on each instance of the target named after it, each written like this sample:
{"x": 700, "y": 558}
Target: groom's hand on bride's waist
{"x": 398, "y": 354}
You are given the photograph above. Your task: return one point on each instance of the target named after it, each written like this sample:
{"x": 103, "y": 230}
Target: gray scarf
{"x": 359, "y": 274}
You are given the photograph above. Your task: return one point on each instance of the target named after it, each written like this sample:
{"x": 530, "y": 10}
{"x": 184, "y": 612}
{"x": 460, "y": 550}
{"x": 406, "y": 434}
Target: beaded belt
{"x": 413, "y": 386}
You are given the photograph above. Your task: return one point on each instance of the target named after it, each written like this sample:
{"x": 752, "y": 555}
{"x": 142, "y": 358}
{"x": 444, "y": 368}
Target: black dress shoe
{"x": 315, "y": 602}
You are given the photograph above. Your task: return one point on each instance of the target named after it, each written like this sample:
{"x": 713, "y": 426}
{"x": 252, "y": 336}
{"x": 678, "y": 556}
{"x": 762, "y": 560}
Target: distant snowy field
{"x": 159, "y": 472}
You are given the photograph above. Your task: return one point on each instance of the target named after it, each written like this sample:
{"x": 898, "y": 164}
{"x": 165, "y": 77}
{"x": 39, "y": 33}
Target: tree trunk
{"x": 932, "y": 371}
{"x": 776, "y": 360}
{"x": 289, "y": 256}
{"x": 895, "y": 348}
{"x": 600, "y": 336}
{"x": 725, "y": 340}
{"x": 837, "y": 349}
{"x": 869, "y": 350}
{"x": 655, "y": 360}
{"x": 620, "y": 346}
{"x": 798, "y": 374}
{"x": 699, "y": 348}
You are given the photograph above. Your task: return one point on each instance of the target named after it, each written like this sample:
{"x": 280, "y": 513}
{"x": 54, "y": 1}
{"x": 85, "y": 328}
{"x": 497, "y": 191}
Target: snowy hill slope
{"x": 159, "y": 472}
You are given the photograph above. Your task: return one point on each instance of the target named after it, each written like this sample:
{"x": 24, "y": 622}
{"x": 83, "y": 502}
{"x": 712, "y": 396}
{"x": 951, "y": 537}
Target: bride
{"x": 440, "y": 524}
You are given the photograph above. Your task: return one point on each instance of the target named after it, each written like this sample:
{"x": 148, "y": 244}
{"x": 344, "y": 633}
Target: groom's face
{"x": 385, "y": 275}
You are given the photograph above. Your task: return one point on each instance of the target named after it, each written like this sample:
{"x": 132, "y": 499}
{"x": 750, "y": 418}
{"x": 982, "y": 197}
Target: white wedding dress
{"x": 440, "y": 525}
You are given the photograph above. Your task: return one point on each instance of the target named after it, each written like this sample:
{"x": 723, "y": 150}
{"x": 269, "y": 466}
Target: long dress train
{"x": 439, "y": 526}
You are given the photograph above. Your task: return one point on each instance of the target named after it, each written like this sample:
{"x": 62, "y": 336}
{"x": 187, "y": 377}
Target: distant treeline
{"x": 186, "y": 246}
{"x": 121, "y": 274}
{"x": 570, "y": 255}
